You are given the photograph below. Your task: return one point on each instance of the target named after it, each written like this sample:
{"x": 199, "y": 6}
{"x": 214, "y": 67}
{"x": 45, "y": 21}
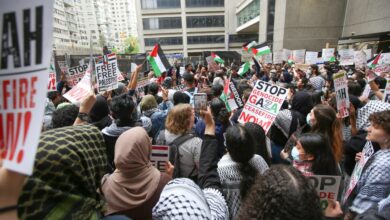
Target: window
{"x": 153, "y": 4}
{"x": 161, "y": 23}
{"x": 204, "y": 3}
{"x": 249, "y": 12}
{"x": 216, "y": 39}
{"x": 205, "y": 21}
{"x": 164, "y": 41}
{"x": 243, "y": 38}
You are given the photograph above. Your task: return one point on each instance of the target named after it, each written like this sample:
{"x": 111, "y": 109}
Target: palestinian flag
{"x": 216, "y": 58}
{"x": 248, "y": 45}
{"x": 374, "y": 61}
{"x": 228, "y": 97}
{"x": 261, "y": 49}
{"x": 332, "y": 59}
{"x": 244, "y": 68}
{"x": 290, "y": 60}
{"x": 158, "y": 60}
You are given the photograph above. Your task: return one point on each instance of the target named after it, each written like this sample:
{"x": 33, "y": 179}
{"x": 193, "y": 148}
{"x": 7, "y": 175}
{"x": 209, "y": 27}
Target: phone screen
{"x": 200, "y": 101}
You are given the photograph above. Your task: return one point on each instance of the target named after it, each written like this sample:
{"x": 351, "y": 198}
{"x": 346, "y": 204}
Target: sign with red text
{"x": 327, "y": 54}
{"x": 386, "y": 96}
{"x": 75, "y": 74}
{"x": 287, "y": 54}
{"x": 106, "y": 72}
{"x": 27, "y": 30}
{"x": 266, "y": 58}
{"x": 278, "y": 57}
{"x": 311, "y": 57}
{"x": 327, "y": 187}
{"x": 341, "y": 90}
{"x": 299, "y": 56}
{"x": 81, "y": 90}
{"x": 263, "y": 104}
{"x": 367, "y": 152}
{"x": 347, "y": 57}
{"x": 381, "y": 68}
{"x": 159, "y": 156}
{"x": 52, "y": 84}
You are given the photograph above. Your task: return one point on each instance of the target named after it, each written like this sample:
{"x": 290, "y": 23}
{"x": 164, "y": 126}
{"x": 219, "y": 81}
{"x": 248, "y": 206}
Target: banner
{"x": 106, "y": 72}
{"x": 263, "y": 104}
{"x": 159, "y": 156}
{"x": 234, "y": 97}
{"x": 75, "y": 74}
{"x": 299, "y": 56}
{"x": 27, "y": 31}
{"x": 360, "y": 59}
{"x": 386, "y": 96}
{"x": 327, "y": 187}
{"x": 311, "y": 57}
{"x": 327, "y": 54}
{"x": 347, "y": 57}
{"x": 278, "y": 57}
{"x": 286, "y": 54}
{"x": 81, "y": 90}
{"x": 367, "y": 152}
{"x": 341, "y": 90}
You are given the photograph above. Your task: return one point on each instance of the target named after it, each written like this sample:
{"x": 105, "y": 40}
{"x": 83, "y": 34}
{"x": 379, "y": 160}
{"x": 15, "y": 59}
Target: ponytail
{"x": 248, "y": 174}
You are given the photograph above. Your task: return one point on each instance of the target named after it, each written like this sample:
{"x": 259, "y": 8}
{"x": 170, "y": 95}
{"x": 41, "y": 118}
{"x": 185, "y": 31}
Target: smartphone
{"x": 200, "y": 101}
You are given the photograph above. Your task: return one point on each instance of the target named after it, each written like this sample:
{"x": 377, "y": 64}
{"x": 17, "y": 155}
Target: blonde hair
{"x": 179, "y": 119}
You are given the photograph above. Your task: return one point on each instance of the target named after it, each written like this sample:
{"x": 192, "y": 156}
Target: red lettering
{"x": 6, "y": 94}
{"x": 252, "y": 99}
{"x": 331, "y": 195}
{"x": 12, "y": 133}
{"x": 33, "y": 91}
{"x": 23, "y": 91}
{"x": 14, "y": 95}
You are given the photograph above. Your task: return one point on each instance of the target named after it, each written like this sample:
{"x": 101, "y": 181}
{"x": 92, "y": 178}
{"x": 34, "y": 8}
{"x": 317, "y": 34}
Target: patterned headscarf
{"x": 183, "y": 199}
{"x": 69, "y": 165}
{"x": 362, "y": 122}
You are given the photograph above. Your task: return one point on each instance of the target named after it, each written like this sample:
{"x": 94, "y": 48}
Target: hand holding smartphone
{"x": 200, "y": 102}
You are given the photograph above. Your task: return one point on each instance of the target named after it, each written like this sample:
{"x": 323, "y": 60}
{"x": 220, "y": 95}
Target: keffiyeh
{"x": 364, "y": 113}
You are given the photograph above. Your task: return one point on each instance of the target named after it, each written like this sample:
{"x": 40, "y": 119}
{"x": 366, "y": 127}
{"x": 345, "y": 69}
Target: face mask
{"x": 295, "y": 154}
{"x": 308, "y": 120}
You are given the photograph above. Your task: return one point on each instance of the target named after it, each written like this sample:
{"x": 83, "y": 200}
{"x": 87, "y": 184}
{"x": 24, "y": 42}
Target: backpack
{"x": 174, "y": 153}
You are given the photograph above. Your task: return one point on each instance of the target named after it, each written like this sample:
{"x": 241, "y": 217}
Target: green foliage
{"x": 131, "y": 45}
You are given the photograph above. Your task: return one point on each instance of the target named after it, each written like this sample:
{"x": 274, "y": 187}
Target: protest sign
{"x": 75, "y": 74}
{"x": 263, "y": 104}
{"x": 234, "y": 99}
{"x": 159, "y": 156}
{"x": 360, "y": 59}
{"x": 106, "y": 72}
{"x": 367, "y": 152}
{"x": 245, "y": 57}
{"x": 299, "y": 56}
{"x": 27, "y": 31}
{"x": 52, "y": 84}
{"x": 267, "y": 58}
{"x": 327, "y": 187}
{"x": 341, "y": 89}
{"x": 368, "y": 53}
{"x": 278, "y": 57}
{"x": 143, "y": 82}
{"x": 81, "y": 90}
{"x": 366, "y": 92}
{"x": 385, "y": 58}
{"x": 386, "y": 96}
{"x": 347, "y": 56}
{"x": 311, "y": 57}
{"x": 211, "y": 64}
{"x": 381, "y": 68}
{"x": 286, "y": 54}
{"x": 327, "y": 54}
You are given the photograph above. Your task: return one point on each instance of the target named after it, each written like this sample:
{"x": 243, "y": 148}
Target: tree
{"x": 131, "y": 45}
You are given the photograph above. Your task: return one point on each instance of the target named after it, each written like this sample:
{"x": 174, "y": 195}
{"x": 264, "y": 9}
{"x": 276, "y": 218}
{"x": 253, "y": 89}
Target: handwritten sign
{"x": 263, "y": 104}
{"x": 311, "y": 57}
{"x": 287, "y": 54}
{"x": 360, "y": 59}
{"x": 327, "y": 54}
{"x": 347, "y": 56}
{"x": 27, "y": 31}
{"x": 341, "y": 89}
{"x": 278, "y": 57}
{"x": 159, "y": 156}
{"x": 299, "y": 56}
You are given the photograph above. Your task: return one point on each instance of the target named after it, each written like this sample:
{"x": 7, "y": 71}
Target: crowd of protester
{"x": 93, "y": 159}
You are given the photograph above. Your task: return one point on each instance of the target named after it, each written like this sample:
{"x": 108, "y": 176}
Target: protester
{"x": 262, "y": 142}
{"x": 100, "y": 113}
{"x": 135, "y": 185}
{"x": 64, "y": 115}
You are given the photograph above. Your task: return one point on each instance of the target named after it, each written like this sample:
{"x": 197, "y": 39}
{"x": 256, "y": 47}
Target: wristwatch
{"x": 83, "y": 116}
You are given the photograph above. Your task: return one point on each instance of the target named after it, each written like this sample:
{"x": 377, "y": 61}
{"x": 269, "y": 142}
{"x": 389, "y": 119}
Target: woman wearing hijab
{"x": 135, "y": 186}
{"x": 69, "y": 165}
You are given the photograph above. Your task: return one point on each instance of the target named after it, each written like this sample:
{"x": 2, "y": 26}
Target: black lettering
{"x": 260, "y": 102}
{"x": 327, "y": 181}
{"x": 10, "y": 30}
{"x": 30, "y": 35}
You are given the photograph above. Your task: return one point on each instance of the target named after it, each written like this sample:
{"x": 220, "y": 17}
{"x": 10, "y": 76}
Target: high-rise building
{"x": 189, "y": 27}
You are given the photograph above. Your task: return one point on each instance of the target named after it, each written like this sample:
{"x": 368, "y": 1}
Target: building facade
{"x": 189, "y": 27}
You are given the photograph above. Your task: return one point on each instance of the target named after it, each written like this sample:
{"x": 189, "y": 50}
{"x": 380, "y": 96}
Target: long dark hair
{"x": 240, "y": 145}
{"x": 219, "y": 111}
{"x": 259, "y": 137}
{"x": 317, "y": 145}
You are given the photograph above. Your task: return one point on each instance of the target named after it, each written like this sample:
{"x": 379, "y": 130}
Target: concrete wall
{"x": 308, "y": 24}
{"x": 366, "y": 17}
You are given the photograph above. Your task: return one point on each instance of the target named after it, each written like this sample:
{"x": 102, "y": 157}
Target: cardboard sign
{"x": 75, "y": 74}
{"x": 159, "y": 156}
{"x": 52, "y": 84}
{"x": 81, "y": 90}
{"x": 386, "y": 96}
{"x": 27, "y": 31}
{"x": 267, "y": 58}
{"x": 299, "y": 56}
{"x": 360, "y": 59}
{"x": 341, "y": 89}
{"x": 278, "y": 57}
{"x": 327, "y": 54}
{"x": 327, "y": 187}
{"x": 263, "y": 104}
{"x": 368, "y": 151}
{"x": 106, "y": 72}
{"x": 347, "y": 57}
{"x": 287, "y": 54}
{"x": 311, "y": 57}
